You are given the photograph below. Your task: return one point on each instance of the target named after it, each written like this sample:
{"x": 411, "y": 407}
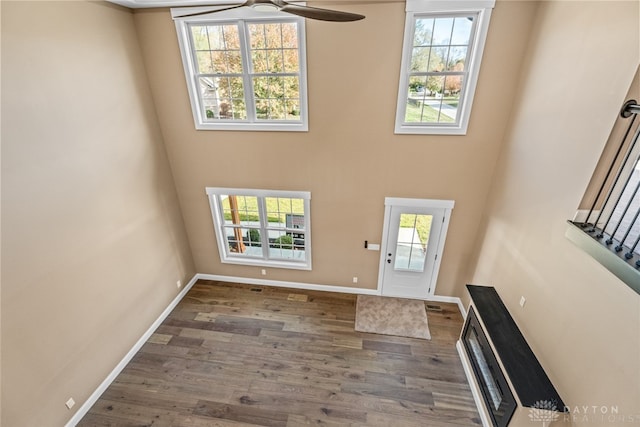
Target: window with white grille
{"x": 245, "y": 73}
{"x": 262, "y": 227}
{"x": 443, "y": 45}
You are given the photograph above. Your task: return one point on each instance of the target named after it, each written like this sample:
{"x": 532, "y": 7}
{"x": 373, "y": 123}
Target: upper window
{"x": 262, "y": 227}
{"x": 440, "y": 63}
{"x": 245, "y": 74}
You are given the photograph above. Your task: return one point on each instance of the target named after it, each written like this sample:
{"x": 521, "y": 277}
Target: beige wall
{"x": 581, "y": 321}
{"x": 608, "y": 155}
{"x": 92, "y": 239}
{"x": 0, "y": 233}
{"x": 350, "y": 159}
{"x": 93, "y": 242}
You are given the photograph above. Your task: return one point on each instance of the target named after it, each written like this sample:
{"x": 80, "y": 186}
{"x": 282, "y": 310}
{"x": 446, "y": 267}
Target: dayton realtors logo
{"x": 544, "y": 411}
{"x": 599, "y": 414}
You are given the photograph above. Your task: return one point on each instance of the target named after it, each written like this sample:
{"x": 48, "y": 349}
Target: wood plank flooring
{"x": 233, "y": 355}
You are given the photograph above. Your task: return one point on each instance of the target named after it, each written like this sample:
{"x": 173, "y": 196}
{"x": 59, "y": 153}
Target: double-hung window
{"x": 262, "y": 227}
{"x": 443, "y": 44}
{"x": 245, "y": 70}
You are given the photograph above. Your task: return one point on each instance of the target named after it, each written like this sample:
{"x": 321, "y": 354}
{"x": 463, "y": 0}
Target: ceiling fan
{"x": 294, "y": 9}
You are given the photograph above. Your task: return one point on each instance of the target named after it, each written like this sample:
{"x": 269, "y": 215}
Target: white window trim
{"x": 218, "y": 223}
{"x": 243, "y": 13}
{"x": 420, "y": 7}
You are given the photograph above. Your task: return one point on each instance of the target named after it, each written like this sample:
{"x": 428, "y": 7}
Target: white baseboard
{"x": 326, "y": 288}
{"x": 284, "y": 284}
{"x": 452, "y": 300}
{"x": 82, "y": 411}
{"x": 475, "y": 390}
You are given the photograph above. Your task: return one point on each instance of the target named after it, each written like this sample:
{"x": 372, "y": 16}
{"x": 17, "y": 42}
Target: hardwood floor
{"x": 232, "y": 355}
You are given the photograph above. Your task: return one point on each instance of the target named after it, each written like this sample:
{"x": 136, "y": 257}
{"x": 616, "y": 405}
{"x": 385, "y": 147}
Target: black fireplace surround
{"x": 501, "y": 339}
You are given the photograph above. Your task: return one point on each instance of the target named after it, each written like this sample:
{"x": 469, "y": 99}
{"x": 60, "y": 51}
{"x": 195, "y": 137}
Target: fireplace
{"x": 508, "y": 383}
{"x": 495, "y": 391}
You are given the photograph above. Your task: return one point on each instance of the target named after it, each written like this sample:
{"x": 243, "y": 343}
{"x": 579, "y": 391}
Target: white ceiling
{"x": 139, "y": 4}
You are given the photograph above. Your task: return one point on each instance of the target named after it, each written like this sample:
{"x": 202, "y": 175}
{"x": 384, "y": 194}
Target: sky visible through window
{"x": 438, "y": 68}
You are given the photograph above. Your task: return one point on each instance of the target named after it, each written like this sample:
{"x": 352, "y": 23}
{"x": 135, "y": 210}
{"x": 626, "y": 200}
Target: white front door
{"x": 413, "y": 241}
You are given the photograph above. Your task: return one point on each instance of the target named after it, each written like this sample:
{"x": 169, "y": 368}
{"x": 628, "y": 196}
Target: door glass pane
{"x": 413, "y": 238}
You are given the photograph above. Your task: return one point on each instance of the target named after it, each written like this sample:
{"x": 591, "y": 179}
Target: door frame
{"x": 399, "y": 202}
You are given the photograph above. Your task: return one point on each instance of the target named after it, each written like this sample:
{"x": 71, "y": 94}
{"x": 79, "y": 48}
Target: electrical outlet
{"x": 179, "y": 284}
{"x": 70, "y": 403}
{"x": 263, "y": 272}
{"x": 355, "y": 279}
{"x": 523, "y": 300}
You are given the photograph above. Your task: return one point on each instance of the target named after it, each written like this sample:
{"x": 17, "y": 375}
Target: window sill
{"x": 259, "y": 127}
{"x": 430, "y": 130}
{"x": 264, "y": 263}
{"x": 611, "y": 260}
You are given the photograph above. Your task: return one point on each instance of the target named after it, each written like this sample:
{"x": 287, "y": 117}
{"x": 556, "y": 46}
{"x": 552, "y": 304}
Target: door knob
{"x": 388, "y": 261}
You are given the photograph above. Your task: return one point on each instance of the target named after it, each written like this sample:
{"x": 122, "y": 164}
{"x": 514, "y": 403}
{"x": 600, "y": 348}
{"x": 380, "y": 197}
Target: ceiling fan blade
{"x": 211, "y": 11}
{"x": 320, "y": 14}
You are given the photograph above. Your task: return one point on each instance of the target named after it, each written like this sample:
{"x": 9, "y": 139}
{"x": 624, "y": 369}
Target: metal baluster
{"x": 615, "y": 182}
{"x": 606, "y": 224}
{"x": 606, "y": 178}
{"x": 624, "y": 212}
{"x": 633, "y": 221}
{"x": 629, "y": 254}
